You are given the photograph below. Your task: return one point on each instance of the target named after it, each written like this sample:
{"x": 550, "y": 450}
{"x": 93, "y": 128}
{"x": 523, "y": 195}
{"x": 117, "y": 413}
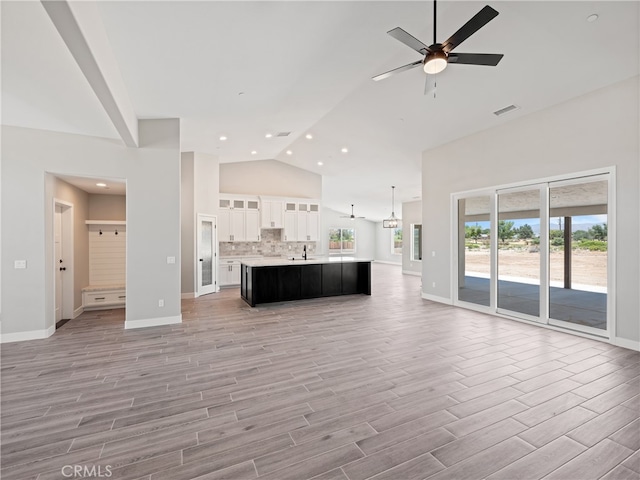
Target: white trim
{"x": 152, "y": 322}
{"x": 388, "y": 263}
{"x": 201, "y": 289}
{"x": 185, "y": 296}
{"x": 105, "y": 222}
{"x": 68, "y": 234}
{"x": 30, "y": 335}
{"x": 435, "y": 298}
{"x": 626, "y": 343}
{"x": 411, "y": 272}
{"x": 77, "y": 312}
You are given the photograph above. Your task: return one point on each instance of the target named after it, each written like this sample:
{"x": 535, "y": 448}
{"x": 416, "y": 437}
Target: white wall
{"x": 383, "y": 245}
{"x": 269, "y": 177}
{"x": 411, "y": 214}
{"x": 153, "y": 220}
{"x": 593, "y": 131}
{"x": 365, "y": 233}
{"x": 199, "y": 195}
{"x": 107, "y": 207}
{"x": 81, "y": 212}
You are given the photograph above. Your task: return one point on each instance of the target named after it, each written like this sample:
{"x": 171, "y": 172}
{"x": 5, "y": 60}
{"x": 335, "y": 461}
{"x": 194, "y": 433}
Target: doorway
{"x": 540, "y": 252}
{"x": 63, "y": 261}
{"x": 207, "y": 256}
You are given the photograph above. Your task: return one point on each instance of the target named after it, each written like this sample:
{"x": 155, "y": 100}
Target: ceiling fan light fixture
{"x": 435, "y": 62}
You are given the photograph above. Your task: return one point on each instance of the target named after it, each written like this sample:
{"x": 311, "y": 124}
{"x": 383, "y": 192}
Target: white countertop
{"x": 277, "y": 262}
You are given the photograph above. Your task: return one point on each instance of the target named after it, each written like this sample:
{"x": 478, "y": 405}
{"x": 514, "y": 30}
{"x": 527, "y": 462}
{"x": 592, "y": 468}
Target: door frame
{"x": 197, "y": 269}
{"x": 67, "y": 230}
{"x": 544, "y": 183}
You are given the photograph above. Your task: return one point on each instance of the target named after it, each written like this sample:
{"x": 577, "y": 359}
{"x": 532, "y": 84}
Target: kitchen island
{"x": 279, "y": 280}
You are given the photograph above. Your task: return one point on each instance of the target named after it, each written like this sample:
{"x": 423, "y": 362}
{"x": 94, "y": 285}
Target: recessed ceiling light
{"x": 253, "y": 152}
{"x": 289, "y": 152}
{"x": 308, "y": 136}
{"x": 268, "y": 135}
{"x": 223, "y": 138}
{"x": 101, "y": 184}
{"x": 344, "y": 150}
{"x": 320, "y": 163}
{"x": 592, "y": 18}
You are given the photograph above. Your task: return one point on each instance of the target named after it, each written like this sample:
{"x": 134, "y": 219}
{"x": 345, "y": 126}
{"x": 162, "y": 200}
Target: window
{"x": 396, "y": 241}
{"x": 342, "y": 240}
{"x": 416, "y": 242}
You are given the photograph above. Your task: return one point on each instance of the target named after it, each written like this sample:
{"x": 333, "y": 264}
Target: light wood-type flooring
{"x": 389, "y": 386}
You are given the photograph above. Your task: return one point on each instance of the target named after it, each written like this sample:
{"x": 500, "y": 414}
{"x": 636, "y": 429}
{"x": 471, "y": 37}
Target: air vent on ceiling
{"x": 283, "y": 134}
{"x": 507, "y": 109}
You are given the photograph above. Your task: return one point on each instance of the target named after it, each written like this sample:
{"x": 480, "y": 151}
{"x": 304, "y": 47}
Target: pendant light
{"x": 392, "y": 221}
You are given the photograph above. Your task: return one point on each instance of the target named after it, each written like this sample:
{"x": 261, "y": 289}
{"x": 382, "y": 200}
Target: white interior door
{"x": 59, "y": 261}
{"x": 207, "y": 244}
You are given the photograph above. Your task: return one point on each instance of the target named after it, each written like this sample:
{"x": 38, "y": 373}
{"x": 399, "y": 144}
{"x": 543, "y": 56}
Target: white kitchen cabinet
{"x": 290, "y": 221}
{"x": 272, "y": 213}
{"x": 229, "y": 272}
{"x": 308, "y": 222}
{"x": 238, "y": 220}
{"x": 252, "y": 221}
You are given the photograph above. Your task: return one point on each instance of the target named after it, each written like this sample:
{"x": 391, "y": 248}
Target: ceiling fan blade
{"x": 478, "y": 21}
{"x": 397, "y": 70}
{"x": 488, "y": 59}
{"x": 409, "y": 40}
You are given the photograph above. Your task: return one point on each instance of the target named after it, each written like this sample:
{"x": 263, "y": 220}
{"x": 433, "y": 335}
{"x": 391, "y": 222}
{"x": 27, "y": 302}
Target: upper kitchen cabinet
{"x": 238, "y": 219}
{"x": 308, "y": 221}
{"x": 272, "y": 213}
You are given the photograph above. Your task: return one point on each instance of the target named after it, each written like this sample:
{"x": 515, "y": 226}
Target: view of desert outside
{"x": 589, "y": 268}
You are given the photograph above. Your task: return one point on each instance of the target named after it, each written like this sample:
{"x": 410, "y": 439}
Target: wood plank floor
{"x": 385, "y": 387}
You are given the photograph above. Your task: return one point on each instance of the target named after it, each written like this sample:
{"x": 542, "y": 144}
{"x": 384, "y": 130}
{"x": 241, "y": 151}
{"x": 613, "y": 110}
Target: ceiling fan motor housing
{"x": 436, "y": 59}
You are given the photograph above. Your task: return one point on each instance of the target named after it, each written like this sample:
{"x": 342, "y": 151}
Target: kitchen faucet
{"x": 304, "y": 252}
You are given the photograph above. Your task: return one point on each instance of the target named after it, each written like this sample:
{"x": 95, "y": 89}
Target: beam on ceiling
{"x": 80, "y": 26}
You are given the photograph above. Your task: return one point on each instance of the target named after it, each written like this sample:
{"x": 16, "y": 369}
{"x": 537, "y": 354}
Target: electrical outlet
{"x": 171, "y": 259}
{"x": 233, "y": 247}
{"x": 433, "y": 253}
{"x": 433, "y": 285}
{"x": 161, "y": 303}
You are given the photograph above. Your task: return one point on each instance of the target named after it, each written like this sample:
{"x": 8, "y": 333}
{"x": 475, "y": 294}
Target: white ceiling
{"x": 306, "y": 67}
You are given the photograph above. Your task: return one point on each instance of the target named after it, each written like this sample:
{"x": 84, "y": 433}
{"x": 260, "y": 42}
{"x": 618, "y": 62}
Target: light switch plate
{"x": 171, "y": 259}
{"x": 20, "y": 264}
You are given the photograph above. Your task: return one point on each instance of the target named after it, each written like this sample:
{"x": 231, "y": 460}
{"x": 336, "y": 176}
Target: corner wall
{"x": 411, "y": 215}
{"x": 153, "y": 220}
{"x": 199, "y": 193}
{"x": 597, "y": 130}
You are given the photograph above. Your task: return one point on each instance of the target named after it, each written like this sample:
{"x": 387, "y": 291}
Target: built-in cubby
{"x": 107, "y": 265}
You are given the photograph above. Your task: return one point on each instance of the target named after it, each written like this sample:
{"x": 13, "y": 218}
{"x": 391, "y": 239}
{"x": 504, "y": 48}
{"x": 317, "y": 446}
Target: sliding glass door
{"x": 539, "y": 252}
{"x": 518, "y": 240}
{"x": 579, "y": 253}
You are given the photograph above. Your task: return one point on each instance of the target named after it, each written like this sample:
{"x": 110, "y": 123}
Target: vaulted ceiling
{"x": 244, "y": 69}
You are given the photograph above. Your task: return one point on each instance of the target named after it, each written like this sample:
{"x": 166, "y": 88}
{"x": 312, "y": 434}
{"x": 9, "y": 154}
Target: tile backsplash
{"x": 270, "y": 245}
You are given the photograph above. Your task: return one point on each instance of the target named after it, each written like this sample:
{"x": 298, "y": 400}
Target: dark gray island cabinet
{"x": 267, "y": 281}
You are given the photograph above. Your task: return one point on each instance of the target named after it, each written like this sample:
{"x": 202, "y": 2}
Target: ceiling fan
{"x": 352, "y": 216}
{"x": 438, "y": 55}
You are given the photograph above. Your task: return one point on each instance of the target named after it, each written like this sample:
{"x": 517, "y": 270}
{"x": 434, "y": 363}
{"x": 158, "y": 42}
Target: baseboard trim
{"x": 435, "y": 298}
{"x": 25, "y": 336}
{"x": 626, "y": 343}
{"x": 77, "y": 312}
{"x": 411, "y": 272}
{"x": 152, "y": 322}
{"x": 388, "y": 263}
{"x": 185, "y": 296}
